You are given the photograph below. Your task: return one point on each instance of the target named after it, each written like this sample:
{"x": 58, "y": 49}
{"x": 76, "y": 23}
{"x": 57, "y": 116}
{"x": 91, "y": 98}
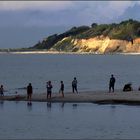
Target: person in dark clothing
{"x": 62, "y": 88}
{"x": 112, "y": 83}
{"x": 74, "y": 85}
{"x": 128, "y": 87}
{"x": 49, "y": 89}
{"x": 1, "y": 90}
{"x": 29, "y": 93}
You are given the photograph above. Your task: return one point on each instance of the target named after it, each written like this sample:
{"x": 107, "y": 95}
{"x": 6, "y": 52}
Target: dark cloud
{"x": 78, "y": 13}
{"x": 25, "y": 26}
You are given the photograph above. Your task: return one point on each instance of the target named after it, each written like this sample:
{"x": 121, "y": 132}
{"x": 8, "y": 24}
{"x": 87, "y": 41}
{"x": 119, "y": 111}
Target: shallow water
{"x": 92, "y": 71}
{"x": 68, "y": 121}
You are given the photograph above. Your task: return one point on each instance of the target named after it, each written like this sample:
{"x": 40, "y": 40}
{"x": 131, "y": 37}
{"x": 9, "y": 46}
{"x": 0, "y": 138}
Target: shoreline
{"x": 57, "y": 52}
{"x": 118, "y": 97}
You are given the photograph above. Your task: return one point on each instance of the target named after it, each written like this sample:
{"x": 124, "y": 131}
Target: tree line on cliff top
{"x": 125, "y": 30}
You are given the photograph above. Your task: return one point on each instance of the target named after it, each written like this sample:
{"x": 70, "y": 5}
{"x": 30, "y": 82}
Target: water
{"x": 92, "y": 71}
{"x": 68, "y": 121}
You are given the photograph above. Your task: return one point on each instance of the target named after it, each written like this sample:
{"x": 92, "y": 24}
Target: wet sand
{"x": 99, "y": 97}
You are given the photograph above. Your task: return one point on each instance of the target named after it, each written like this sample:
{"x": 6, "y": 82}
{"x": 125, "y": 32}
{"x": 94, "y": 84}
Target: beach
{"x": 68, "y": 53}
{"x": 99, "y": 97}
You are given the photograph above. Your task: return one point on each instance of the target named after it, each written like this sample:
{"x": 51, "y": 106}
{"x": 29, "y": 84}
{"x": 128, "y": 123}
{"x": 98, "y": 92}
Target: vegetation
{"x": 126, "y": 30}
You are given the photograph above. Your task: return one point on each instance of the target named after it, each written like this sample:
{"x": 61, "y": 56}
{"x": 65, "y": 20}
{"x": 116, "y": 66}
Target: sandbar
{"x": 99, "y": 97}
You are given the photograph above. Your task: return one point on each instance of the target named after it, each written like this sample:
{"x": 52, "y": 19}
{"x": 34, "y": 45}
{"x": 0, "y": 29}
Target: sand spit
{"x": 132, "y": 98}
{"x": 72, "y": 53}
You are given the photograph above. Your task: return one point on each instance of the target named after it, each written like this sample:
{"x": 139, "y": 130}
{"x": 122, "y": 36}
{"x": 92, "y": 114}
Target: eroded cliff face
{"x": 106, "y": 45}
{"x": 98, "y": 44}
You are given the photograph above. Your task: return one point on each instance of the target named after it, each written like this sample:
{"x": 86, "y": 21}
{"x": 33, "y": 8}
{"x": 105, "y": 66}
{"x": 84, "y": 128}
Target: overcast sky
{"x": 24, "y": 23}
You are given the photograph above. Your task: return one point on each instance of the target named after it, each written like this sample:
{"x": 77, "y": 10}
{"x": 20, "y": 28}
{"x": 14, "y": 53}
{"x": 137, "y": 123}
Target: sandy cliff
{"x": 102, "y": 44}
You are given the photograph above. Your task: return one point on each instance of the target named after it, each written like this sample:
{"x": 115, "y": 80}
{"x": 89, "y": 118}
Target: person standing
{"x": 112, "y": 83}
{"x": 62, "y": 88}
{"x": 1, "y": 90}
{"x": 49, "y": 89}
{"x": 74, "y": 85}
{"x": 29, "y": 93}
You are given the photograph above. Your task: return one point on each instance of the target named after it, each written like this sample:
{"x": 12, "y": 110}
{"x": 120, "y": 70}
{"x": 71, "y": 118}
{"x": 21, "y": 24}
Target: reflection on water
{"x": 1, "y": 103}
{"x": 68, "y": 120}
{"x": 74, "y": 106}
{"x": 49, "y": 105}
{"x": 29, "y": 106}
{"x": 62, "y": 105}
{"x": 112, "y": 109}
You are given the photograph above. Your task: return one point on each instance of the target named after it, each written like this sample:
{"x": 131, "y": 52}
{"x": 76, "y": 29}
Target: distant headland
{"x": 123, "y": 37}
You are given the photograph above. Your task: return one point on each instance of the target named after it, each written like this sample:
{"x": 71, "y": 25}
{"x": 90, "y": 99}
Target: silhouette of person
{"x": 61, "y": 88}
{"x": 49, "y": 89}
{"x": 1, "y": 90}
{"x": 74, "y": 85}
{"x": 112, "y": 83}
{"x": 29, "y": 93}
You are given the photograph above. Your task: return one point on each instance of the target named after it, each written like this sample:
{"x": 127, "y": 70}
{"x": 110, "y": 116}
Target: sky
{"x": 24, "y": 23}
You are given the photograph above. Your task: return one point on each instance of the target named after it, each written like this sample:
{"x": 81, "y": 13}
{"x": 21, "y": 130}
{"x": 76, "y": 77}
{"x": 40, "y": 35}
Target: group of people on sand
{"x": 49, "y": 89}
{"x": 61, "y": 90}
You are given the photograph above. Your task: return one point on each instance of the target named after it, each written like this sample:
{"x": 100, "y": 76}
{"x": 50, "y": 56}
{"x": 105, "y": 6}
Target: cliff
{"x": 123, "y": 37}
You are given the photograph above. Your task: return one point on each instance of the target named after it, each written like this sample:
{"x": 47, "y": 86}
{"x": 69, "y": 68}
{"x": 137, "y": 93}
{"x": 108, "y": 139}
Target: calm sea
{"x": 67, "y": 120}
{"x": 92, "y": 71}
